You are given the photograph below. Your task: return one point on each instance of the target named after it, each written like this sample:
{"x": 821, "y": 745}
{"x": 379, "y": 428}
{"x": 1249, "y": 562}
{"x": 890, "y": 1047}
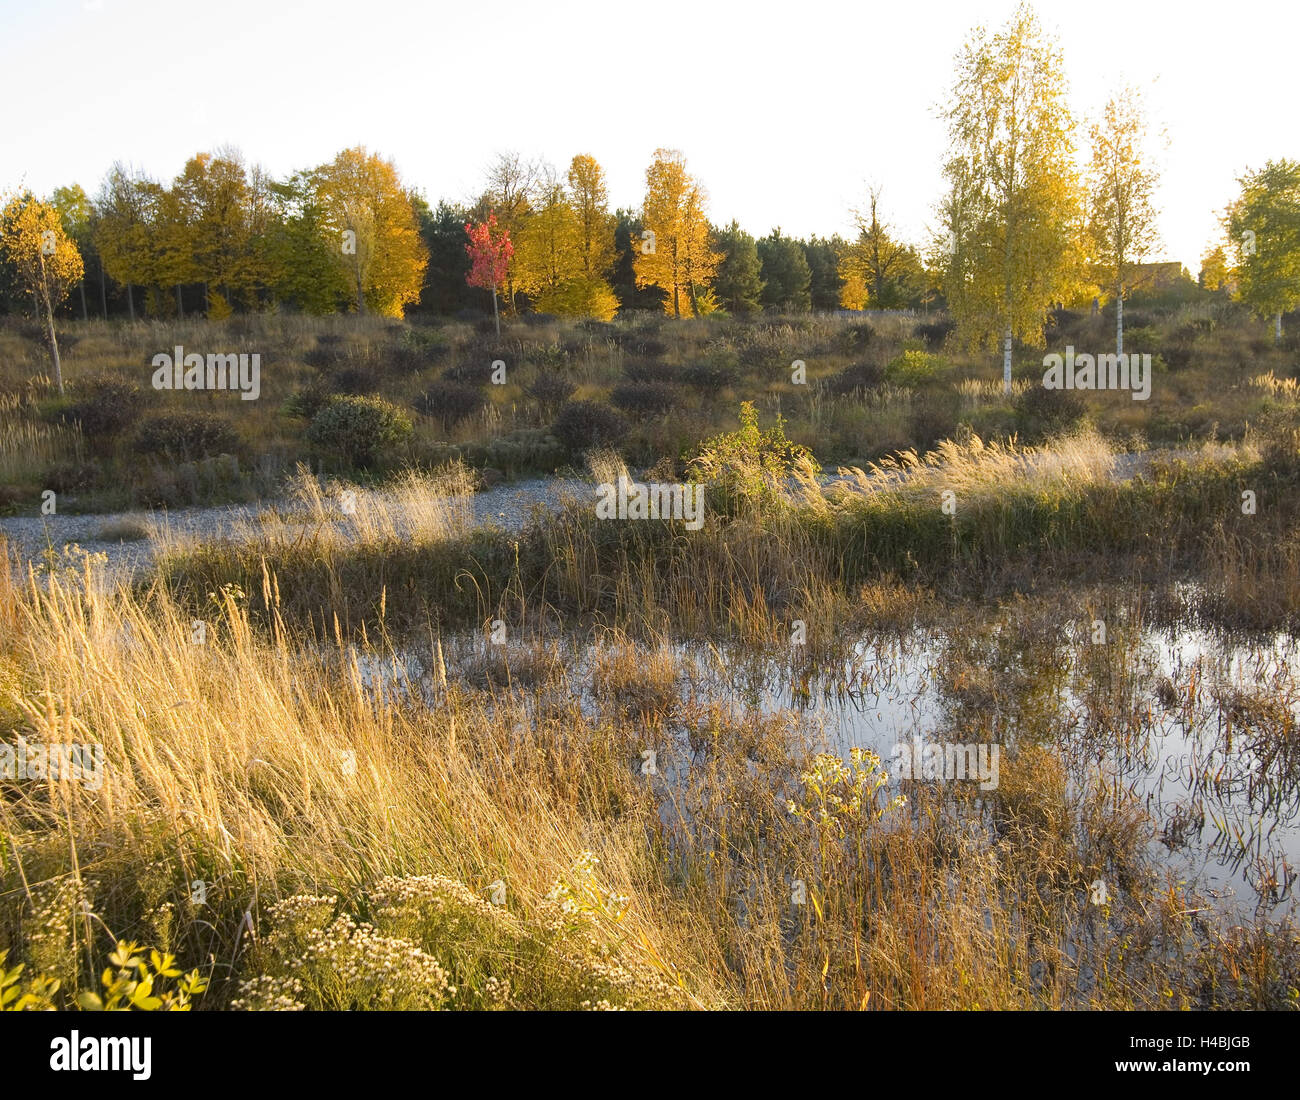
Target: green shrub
{"x": 358, "y": 429}
{"x": 521, "y": 451}
{"x": 186, "y": 436}
{"x": 913, "y": 367}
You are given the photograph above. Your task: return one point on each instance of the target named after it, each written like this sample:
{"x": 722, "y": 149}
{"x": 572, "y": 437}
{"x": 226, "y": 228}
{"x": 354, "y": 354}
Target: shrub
{"x": 642, "y": 398}
{"x": 935, "y": 333}
{"x": 185, "y": 437}
{"x": 857, "y": 337}
{"x": 1041, "y": 412}
{"x": 104, "y": 406}
{"x": 1177, "y": 353}
{"x": 858, "y": 376}
{"x": 583, "y": 425}
{"x": 525, "y": 449}
{"x": 648, "y": 346}
{"x": 934, "y": 417}
{"x": 750, "y": 466}
{"x": 913, "y": 367}
{"x": 550, "y": 389}
{"x": 322, "y": 357}
{"x": 601, "y": 329}
{"x": 715, "y": 373}
{"x": 1140, "y": 338}
{"x": 69, "y": 476}
{"x": 358, "y": 429}
{"x": 307, "y": 401}
{"x": 354, "y": 380}
{"x": 450, "y": 402}
{"x": 652, "y": 370}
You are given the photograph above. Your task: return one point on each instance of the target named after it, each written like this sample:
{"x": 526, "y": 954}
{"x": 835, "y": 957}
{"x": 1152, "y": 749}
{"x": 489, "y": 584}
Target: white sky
{"x": 784, "y": 110}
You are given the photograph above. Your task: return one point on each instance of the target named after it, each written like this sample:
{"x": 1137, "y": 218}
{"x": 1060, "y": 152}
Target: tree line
{"x": 1020, "y": 229}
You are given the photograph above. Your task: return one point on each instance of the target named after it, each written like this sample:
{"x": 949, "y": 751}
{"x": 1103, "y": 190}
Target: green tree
{"x": 1263, "y": 226}
{"x": 787, "y": 278}
{"x": 825, "y": 282}
{"x": 738, "y": 286}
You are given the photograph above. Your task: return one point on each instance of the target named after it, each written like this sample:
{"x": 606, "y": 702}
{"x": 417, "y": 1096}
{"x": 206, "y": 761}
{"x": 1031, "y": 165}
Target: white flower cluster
{"x": 266, "y": 993}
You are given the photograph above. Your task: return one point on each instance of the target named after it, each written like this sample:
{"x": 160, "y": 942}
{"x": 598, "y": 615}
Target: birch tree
{"x": 44, "y": 258}
{"x": 1015, "y": 210}
{"x": 1122, "y": 227}
{"x": 1263, "y": 226}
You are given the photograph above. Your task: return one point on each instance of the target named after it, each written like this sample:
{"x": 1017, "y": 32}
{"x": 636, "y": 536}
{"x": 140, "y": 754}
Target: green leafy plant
{"x": 145, "y": 984}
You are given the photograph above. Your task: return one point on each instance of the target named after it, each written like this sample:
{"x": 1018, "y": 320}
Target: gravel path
{"x": 507, "y": 506}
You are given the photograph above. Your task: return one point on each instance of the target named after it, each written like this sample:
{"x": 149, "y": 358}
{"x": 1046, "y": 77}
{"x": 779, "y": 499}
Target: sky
{"x": 786, "y": 112}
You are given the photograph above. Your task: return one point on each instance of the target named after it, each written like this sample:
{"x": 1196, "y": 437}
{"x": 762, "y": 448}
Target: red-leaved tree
{"x": 489, "y": 251}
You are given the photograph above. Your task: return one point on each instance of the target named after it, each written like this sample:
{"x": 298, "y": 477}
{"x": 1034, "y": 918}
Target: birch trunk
{"x": 1119, "y": 322}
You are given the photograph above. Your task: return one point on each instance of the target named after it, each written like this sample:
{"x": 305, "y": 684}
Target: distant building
{"x": 1159, "y": 276}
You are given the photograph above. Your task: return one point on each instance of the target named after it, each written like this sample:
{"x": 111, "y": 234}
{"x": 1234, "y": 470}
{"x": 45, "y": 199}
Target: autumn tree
{"x": 1014, "y": 211}
{"x": 738, "y": 284}
{"x": 367, "y": 214}
{"x": 590, "y": 199}
{"x": 1263, "y": 227}
{"x": 677, "y": 254}
{"x": 216, "y": 202}
{"x": 1122, "y": 227}
{"x": 122, "y": 232}
{"x": 75, "y": 214}
{"x": 490, "y": 251}
{"x": 513, "y": 184}
{"x": 548, "y": 246}
{"x": 45, "y": 261}
{"x": 1214, "y": 269}
{"x": 877, "y": 268}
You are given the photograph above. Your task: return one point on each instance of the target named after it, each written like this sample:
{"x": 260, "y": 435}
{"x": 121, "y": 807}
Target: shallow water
{"x": 1220, "y": 786}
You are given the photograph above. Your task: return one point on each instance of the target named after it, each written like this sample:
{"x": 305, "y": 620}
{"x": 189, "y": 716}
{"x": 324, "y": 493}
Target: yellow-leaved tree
{"x": 370, "y": 226}
{"x": 1121, "y": 218}
{"x": 1014, "y": 210}
{"x": 548, "y": 245}
{"x": 45, "y": 261}
{"x": 565, "y": 244}
{"x": 676, "y": 250}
